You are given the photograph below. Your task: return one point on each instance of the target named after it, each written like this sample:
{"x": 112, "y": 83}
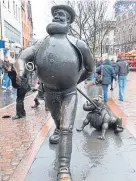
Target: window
{"x": 118, "y": 19}
{"x": 8, "y": 4}
{"x": 130, "y": 14}
{"x": 23, "y": 41}
{"x": 130, "y": 30}
{"x": 124, "y": 17}
{"x": 130, "y": 37}
{"x": 124, "y": 39}
{"x": 12, "y": 33}
{"x": 19, "y": 14}
{"x": 14, "y": 10}
{"x": 4, "y": 3}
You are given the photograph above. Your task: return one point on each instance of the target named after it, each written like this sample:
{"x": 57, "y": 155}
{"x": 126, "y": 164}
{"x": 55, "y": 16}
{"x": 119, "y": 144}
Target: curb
{"x": 131, "y": 127}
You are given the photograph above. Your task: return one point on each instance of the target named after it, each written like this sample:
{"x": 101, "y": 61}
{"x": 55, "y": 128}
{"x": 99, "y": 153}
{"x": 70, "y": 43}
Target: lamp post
{"x": 1, "y": 36}
{"x": 101, "y": 31}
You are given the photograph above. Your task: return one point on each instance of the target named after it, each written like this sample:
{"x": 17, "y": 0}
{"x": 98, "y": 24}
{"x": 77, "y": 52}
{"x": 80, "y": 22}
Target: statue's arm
{"x": 88, "y": 61}
{"x": 26, "y": 56}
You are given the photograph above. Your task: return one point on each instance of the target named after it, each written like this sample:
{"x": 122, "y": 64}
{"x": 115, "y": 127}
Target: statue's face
{"x": 61, "y": 16}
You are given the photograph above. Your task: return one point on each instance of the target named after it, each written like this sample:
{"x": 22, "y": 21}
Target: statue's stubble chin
{"x": 57, "y": 28}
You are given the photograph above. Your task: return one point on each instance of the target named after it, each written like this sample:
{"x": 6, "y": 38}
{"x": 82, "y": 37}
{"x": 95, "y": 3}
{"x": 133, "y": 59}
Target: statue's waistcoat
{"x": 59, "y": 62}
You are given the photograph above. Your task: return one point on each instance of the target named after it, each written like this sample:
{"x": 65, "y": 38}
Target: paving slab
{"x": 17, "y": 136}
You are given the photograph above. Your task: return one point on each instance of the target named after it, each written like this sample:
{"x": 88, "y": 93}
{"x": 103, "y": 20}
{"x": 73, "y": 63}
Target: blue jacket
{"x": 107, "y": 72}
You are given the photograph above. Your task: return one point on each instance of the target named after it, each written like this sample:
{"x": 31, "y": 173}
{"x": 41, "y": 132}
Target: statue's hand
{"x": 18, "y": 80}
{"x": 101, "y": 137}
{"x": 23, "y": 82}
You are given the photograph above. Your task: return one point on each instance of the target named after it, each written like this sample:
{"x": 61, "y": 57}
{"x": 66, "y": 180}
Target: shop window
{"x": 12, "y": 33}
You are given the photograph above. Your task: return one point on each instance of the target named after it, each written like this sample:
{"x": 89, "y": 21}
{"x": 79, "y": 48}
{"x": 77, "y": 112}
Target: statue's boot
{"x": 54, "y": 139}
{"x": 65, "y": 150}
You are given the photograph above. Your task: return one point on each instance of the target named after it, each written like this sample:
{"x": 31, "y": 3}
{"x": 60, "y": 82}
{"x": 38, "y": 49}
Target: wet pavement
{"x": 92, "y": 159}
{"x": 128, "y": 106}
{"x": 17, "y": 136}
{"x": 7, "y": 97}
{"x": 26, "y": 155}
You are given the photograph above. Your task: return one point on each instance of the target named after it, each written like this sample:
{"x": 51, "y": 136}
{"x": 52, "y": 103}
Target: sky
{"x": 42, "y": 15}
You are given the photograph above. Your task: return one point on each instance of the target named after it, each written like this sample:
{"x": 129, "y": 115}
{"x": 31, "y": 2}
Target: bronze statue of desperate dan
{"x": 61, "y": 62}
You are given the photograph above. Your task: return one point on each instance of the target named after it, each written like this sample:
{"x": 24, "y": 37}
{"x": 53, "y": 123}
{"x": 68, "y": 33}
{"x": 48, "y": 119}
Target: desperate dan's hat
{"x": 66, "y": 8}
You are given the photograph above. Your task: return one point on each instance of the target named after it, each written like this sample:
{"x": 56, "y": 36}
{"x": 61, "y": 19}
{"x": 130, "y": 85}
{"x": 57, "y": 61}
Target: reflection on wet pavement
{"x": 92, "y": 159}
{"x": 7, "y": 97}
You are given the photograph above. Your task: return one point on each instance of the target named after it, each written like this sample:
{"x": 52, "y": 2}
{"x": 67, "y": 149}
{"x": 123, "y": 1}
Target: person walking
{"x": 122, "y": 72}
{"x": 107, "y": 73}
{"x": 22, "y": 89}
{"x": 114, "y": 65}
{"x": 1, "y": 72}
{"x": 6, "y": 79}
{"x": 99, "y": 62}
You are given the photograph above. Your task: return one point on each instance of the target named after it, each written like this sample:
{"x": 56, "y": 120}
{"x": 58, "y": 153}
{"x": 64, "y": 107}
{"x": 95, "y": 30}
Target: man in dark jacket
{"x": 107, "y": 72}
{"x": 118, "y": 58}
{"x": 21, "y": 91}
{"x": 122, "y": 72}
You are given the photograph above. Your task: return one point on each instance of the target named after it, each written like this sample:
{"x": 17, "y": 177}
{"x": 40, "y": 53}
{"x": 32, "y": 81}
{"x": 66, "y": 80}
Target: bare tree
{"x": 91, "y": 23}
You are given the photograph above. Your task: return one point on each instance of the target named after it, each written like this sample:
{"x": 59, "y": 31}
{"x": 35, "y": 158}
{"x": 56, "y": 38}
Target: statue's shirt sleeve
{"x": 28, "y": 54}
{"x": 87, "y": 57}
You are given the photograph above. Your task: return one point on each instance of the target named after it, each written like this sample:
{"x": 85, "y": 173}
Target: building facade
{"x": 125, "y": 33}
{"x": 11, "y": 27}
{"x": 27, "y": 24}
{"x": 0, "y": 23}
{"x": 106, "y": 42}
{"x": 11, "y": 21}
{"x": 109, "y": 43}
